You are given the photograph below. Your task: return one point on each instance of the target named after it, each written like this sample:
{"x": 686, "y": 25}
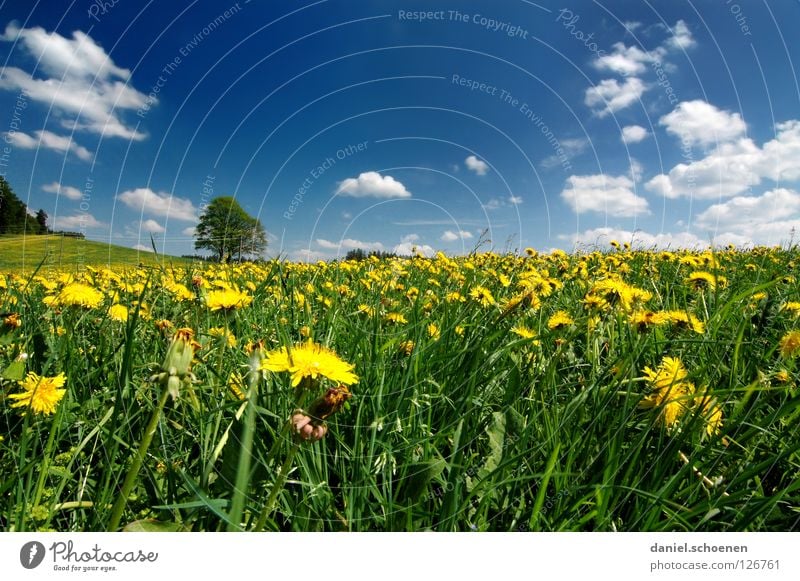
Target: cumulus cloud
{"x": 450, "y": 236}
{"x": 479, "y": 166}
{"x": 601, "y": 237}
{"x": 732, "y": 168}
{"x": 69, "y": 192}
{"x": 699, "y": 122}
{"x": 681, "y": 38}
{"x": 80, "y": 221}
{"x": 151, "y": 226}
{"x": 610, "y": 195}
{"x": 610, "y": 96}
{"x": 411, "y": 249}
{"x": 79, "y": 79}
{"x": 515, "y": 200}
{"x": 409, "y": 238}
{"x": 626, "y": 60}
{"x": 142, "y": 247}
{"x": 766, "y": 219}
{"x": 371, "y": 184}
{"x": 48, "y": 140}
{"x": 349, "y": 244}
{"x": 160, "y": 204}
{"x": 189, "y": 231}
{"x": 634, "y": 134}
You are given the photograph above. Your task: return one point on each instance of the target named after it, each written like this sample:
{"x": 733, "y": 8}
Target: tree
{"x": 13, "y": 212}
{"x": 227, "y": 230}
{"x": 41, "y": 221}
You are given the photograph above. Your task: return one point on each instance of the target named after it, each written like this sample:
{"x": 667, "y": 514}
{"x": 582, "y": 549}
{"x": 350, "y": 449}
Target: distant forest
{"x": 16, "y": 219}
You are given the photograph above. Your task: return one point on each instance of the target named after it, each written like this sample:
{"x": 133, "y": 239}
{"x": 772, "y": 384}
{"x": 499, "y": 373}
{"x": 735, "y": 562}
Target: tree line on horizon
{"x": 14, "y": 215}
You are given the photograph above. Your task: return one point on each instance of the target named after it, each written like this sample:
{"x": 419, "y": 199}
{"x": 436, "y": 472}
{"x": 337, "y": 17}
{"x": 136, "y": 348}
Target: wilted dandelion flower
{"x": 559, "y": 320}
{"x": 78, "y": 294}
{"x": 40, "y": 394}
{"x": 227, "y": 299}
{"x": 309, "y": 360}
{"x": 790, "y": 344}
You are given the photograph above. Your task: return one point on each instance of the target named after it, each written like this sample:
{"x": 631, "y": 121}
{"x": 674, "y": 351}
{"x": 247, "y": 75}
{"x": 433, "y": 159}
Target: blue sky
{"x": 396, "y": 125}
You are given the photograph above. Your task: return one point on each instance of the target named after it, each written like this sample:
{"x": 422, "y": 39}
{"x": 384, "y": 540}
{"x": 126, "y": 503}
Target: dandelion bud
{"x": 180, "y": 353}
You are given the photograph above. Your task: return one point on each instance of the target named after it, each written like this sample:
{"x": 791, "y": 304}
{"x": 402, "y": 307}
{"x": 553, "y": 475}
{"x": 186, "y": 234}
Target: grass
{"x": 475, "y": 427}
{"x": 24, "y": 254}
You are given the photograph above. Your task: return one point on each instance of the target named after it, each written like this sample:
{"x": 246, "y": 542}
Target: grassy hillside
{"x": 25, "y": 253}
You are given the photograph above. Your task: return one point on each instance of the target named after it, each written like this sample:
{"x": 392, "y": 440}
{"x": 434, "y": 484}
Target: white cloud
{"x": 626, "y": 60}
{"x": 515, "y": 200}
{"x": 609, "y": 195}
{"x": 77, "y": 222}
{"x": 48, "y": 140}
{"x": 479, "y": 166}
{"x": 409, "y": 238}
{"x": 744, "y": 213}
{"x": 734, "y": 167}
{"x": 634, "y": 134}
{"x": 601, "y": 237}
{"x": 570, "y": 147}
{"x": 308, "y": 255}
{"x": 371, "y": 184}
{"x": 81, "y": 80}
{"x": 637, "y": 170}
{"x": 161, "y": 204}
{"x": 69, "y": 192}
{"x": 681, "y": 38}
{"x": 450, "y": 236}
{"x": 411, "y": 249}
{"x": 151, "y": 226}
{"x": 349, "y": 244}
{"x": 142, "y": 247}
{"x": 611, "y": 96}
{"x": 631, "y": 25}
{"x": 699, "y": 122}
{"x": 190, "y": 231}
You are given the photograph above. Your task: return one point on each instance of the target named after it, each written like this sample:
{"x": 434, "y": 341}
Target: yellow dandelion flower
{"x": 454, "y": 297}
{"x": 227, "y": 299}
{"x": 406, "y": 347}
{"x": 78, "y": 294}
{"x": 483, "y": 295}
{"x": 229, "y": 337}
{"x": 309, "y": 360}
{"x": 433, "y": 331}
{"x": 40, "y": 394}
{"x": 118, "y": 313}
{"x": 643, "y": 320}
{"x": 364, "y": 309}
{"x": 684, "y": 320}
{"x": 701, "y": 279}
{"x": 669, "y": 390}
{"x": 396, "y": 318}
{"x": 559, "y": 320}
{"x": 790, "y": 344}
{"x": 793, "y": 307}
